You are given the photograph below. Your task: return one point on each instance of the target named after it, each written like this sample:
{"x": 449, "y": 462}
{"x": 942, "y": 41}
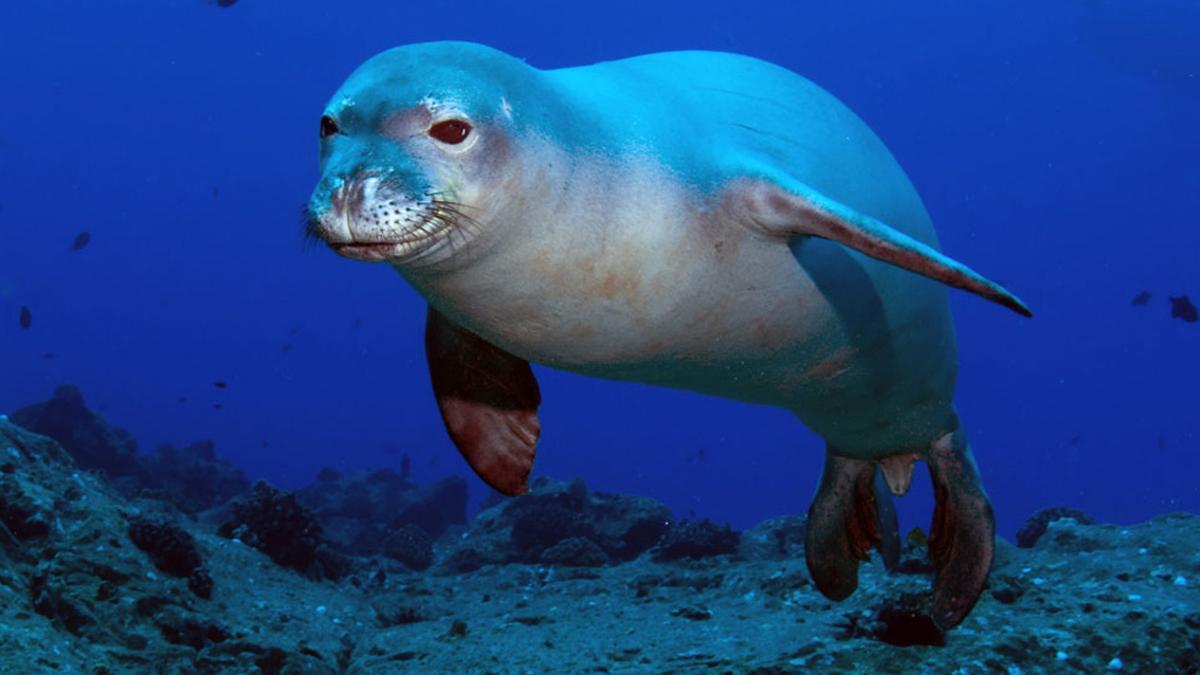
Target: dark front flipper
{"x": 488, "y": 399}
{"x": 963, "y": 532}
{"x": 851, "y": 513}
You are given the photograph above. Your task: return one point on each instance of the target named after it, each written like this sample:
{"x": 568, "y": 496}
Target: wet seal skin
{"x": 696, "y": 220}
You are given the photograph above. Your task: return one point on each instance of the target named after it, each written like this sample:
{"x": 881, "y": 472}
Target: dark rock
{"x": 691, "y": 539}
{"x": 331, "y": 563}
{"x": 193, "y": 477}
{"x": 85, "y": 435}
{"x": 542, "y": 524}
{"x": 458, "y": 629}
{"x": 693, "y": 613}
{"x": 780, "y": 538}
{"x": 626, "y": 526}
{"x": 436, "y": 507}
{"x": 272, "y": 661}
{"x": 25, "y": 516}
{"x": 275, "y": 523}
{"x": 521, "y": 529}
{"x": 411, "y": 546}
{"x": 52, "y": 599}
{"x": 1036, "y": 526}
{"x": 905, "y": 622}
{"x": 1007, "y": 588}
{"x": 27, "y": 448}
{"x": 785, "y": 585}
{"x": 169, "y": 546}
{"x": 200, "y": 583}
{"x": 463, "y": 560}
{"x": 357, "y": 512}
{"x": 575, "y": 552}
{"x": 181, "y": 629}
{"x": 1068, "y": 536}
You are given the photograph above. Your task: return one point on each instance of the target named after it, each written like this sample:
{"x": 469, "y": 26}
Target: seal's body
{"x": 695, "y": 220}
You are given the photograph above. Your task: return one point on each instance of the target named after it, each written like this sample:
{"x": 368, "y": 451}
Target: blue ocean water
{"x": 1054, "y": 145}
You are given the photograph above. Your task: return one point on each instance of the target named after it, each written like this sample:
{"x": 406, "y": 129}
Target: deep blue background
{"x": 1055, "y": 145}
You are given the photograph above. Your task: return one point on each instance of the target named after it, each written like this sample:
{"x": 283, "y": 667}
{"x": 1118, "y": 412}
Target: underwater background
{"x": 1054, "y": 145}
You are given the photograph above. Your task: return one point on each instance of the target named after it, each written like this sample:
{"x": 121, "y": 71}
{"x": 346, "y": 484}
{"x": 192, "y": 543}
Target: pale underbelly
{"x": 866, "y": 393}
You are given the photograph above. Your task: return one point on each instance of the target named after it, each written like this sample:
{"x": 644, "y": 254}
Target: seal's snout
{"x": 368, "y": 217}
{"x": 346, "y": 207}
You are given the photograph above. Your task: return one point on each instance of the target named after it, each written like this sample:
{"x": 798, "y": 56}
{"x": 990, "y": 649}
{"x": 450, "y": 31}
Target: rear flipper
{"x": 963, "y": 532}
{"x": 851, "y": 512}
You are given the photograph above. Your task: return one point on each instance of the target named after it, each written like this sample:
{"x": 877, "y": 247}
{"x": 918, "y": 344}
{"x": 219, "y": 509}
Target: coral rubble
{"x": 563, "y": 579}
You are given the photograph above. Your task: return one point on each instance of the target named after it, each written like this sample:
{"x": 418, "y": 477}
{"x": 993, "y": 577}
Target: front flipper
{"x": 789, "y": 209}
{"x": 962, "y": 536}
{"x": 488, "y": 399}
{"x": 851, "y": 512}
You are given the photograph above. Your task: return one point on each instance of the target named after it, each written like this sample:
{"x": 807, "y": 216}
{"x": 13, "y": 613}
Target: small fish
{"x": 49, "y": 355}
{"x": 183, "y": 399}
{"x": 287, "y": 347}
{"x": 405, "y": 466}
{"x": 1162, "y": 442}
{"x": 216, "y": 406}
{"x": 81, "y": 240}
{"x": 263, "y": 444}
{"x": 1182, "y": 308}
{"x": 1141, "y": 298}
{"x": 1075, "y": 440}
{"x": 226, "y": 3}
{"x": 220, "y": 384}
{"x": 216, "y": 191}
{"x": 26, "y": 317}
{"x": 916, "y": 538}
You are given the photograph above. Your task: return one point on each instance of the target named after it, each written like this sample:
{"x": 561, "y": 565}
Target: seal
{"x": 696, "y": 220}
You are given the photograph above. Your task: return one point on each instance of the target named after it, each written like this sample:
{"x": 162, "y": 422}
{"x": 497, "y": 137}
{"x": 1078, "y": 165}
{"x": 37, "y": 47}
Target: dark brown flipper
{"x": 851, "y": 512}
{"x": 962, "y": 536}
{"x": 488, "y": 399}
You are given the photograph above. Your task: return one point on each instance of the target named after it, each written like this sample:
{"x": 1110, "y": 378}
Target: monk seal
{"x": 697, "y": 220}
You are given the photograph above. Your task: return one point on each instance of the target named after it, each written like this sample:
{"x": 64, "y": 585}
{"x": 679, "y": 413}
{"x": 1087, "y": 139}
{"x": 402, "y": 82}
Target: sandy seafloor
{"x": 76, "y": 595}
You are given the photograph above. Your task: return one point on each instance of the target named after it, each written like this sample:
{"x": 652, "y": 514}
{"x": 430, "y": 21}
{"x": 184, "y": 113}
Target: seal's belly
{"x": 684, "y": 297}
{"x": 727, "y": 313}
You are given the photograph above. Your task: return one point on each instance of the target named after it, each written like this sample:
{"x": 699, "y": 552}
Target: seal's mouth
{"x": 371, "y": 252}
{"x": 364, "y": 220}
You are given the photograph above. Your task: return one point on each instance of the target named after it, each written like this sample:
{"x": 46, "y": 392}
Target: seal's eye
{"x": 451, "y": 131}
{"x": 329, "y": 126}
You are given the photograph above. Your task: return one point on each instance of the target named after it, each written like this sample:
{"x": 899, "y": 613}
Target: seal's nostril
{"x": 329, "y": 126}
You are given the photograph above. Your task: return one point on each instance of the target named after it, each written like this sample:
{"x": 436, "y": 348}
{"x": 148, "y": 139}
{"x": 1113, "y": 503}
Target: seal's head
{"x": 415, "y": 152}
